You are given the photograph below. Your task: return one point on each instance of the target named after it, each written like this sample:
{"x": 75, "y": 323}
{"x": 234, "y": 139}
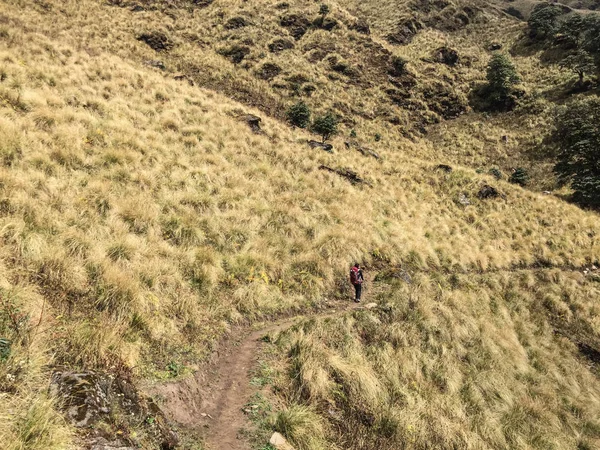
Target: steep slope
{"x": 141, "y": 217}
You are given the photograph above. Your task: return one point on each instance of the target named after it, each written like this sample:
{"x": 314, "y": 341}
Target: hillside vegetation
{"x": 141, "y": 218}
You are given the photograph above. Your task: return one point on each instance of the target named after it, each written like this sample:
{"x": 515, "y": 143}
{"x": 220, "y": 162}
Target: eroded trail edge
{"x": 211, "y": 403}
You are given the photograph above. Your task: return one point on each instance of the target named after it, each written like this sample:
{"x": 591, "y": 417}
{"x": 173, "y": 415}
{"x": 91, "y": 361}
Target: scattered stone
{"x": 361, "y": 26}
{"x": 235, "y": 53}
{"x": 179, "y": 76}
{"x": 296, "y": 24}
{"x": 371, "y": 306}
{"x": 444, "y": 167}
{"x": 279, "y": 442}
{"x": 156, "y": 63}
{"x": 279, "y": 45}
{"x": 363, "y": 150}
{"x": 268, "y": 71}
{"x": 235, "y": 23}
{"x": 463, "y": 200}
{"x": 253, "y": 122}
{"x": 446, "y": 56}
{"x": 488, "y": 191}
{"x": 547, "y": 192}
{"x": 202, "y": 3}
{"x": 349, "y": 174}
{"x": 494, "y": 46}
{"x": 405, "y": 33}
{"x": 156, "y": 40}
{"x": 321, "y": 145}
{"x": 84, "y": 396}
{"x": 103, "y": 444}
{"x": 328, "y": 24}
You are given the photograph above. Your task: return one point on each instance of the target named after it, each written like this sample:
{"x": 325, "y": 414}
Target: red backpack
{"x": 354, "y": 276}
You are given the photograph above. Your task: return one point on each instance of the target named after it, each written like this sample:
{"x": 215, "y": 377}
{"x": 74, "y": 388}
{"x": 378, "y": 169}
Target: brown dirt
{"x": 210, "y": 403}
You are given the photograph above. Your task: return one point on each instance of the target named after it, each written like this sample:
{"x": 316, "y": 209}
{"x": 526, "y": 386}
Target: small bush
{"x": 299, "y": 115}
{"x": 519, "y": 176}
{"x": 326, "y": 126}
{"x": 495, "y": 172}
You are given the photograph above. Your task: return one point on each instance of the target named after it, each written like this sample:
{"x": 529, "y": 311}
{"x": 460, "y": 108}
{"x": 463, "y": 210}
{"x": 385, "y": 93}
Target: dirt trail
{"x": 211, "y": 402}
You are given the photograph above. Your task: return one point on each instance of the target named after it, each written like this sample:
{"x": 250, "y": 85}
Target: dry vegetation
{"x": 449, "y": 362}
{"x": 140, "y": 218}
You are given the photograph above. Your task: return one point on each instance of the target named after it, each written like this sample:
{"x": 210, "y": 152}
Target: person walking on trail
{"x": 357, "y": 280}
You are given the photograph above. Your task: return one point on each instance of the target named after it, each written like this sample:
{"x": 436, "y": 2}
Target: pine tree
{"x": 577, "y": 135}
{"x": 501, "y": 77}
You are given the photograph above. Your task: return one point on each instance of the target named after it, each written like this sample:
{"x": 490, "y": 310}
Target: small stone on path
{"x": 279, "y": 442}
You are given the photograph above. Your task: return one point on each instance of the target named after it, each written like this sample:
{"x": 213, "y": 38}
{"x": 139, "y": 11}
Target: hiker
{"x": 357, "y": 279}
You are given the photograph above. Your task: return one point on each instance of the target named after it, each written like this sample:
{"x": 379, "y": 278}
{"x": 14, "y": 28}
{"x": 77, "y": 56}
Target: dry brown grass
{"x": 147, "y": 218}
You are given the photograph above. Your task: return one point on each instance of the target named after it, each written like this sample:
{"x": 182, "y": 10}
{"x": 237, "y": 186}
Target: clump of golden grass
{"x": 147, "y": 218}
{"x": 451, "y": 362}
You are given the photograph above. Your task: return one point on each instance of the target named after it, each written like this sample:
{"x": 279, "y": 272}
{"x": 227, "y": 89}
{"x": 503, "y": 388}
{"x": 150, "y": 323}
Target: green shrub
{"x": 299, "y": 115}
{"x": 326, "y": 126}
{"x": 577, "y": 136}
{"x": 543, "y": 20}
{"x": 519, "y": 176}
{"x": 495, "y": 172}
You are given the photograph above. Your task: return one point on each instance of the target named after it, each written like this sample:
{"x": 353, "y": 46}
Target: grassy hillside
{"x": 141, "y": 217}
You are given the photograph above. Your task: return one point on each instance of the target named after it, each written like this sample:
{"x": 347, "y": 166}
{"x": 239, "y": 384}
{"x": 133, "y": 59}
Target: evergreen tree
{"x": 325, "y": 125}
{"x": 299, "y": 115}
{"x": 543, "y": 20}
{"x": 577, "y": 136}
{"x": 501, "y": 77}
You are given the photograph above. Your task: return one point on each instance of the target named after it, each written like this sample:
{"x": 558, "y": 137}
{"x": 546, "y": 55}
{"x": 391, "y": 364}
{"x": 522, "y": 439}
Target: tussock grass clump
{"x": 452, "y": 362}
{"x": 139, "y": 219}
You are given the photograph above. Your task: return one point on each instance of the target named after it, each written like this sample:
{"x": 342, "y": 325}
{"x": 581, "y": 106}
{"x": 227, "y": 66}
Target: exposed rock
{"x": 235, "y": 53}
{"x": 349, "y": 174}
{"x": 85, "y": 396}
{"x": 179, "y": 76}
{"x": 463, "y": 200}
{"x": 137, "y": 8}
{"x": 253, "y": 122}
{"x": 88, "y": 397}
{"x": 407, "y": 30}
{"x": 327, "y": 24}
{"x": 202, "y": 3}
{"x": 512, "y": 11}
{"x": 296, "y": 24}
{"x": 371, "y": 306}
{"x": 268, "y": 71}
{"x": 444, "y": 167}
{"x": 446, "y": 56}
{"x": 494, "y": 46}
{"x": 363, "y": 150}
{"x": 279, "y": 442}
{"x": 156, "y": 63}
{"x": 279, "y": 45}
{"x": 103, "y": 444}
{"x": 321, "y": 145}
{"x": 235, "y": 22}
{"x": 488, "y": 191}
{"x": 443, "y": 100}
{"x": 157, "y": 40}
{"x": 361, "y": 26}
